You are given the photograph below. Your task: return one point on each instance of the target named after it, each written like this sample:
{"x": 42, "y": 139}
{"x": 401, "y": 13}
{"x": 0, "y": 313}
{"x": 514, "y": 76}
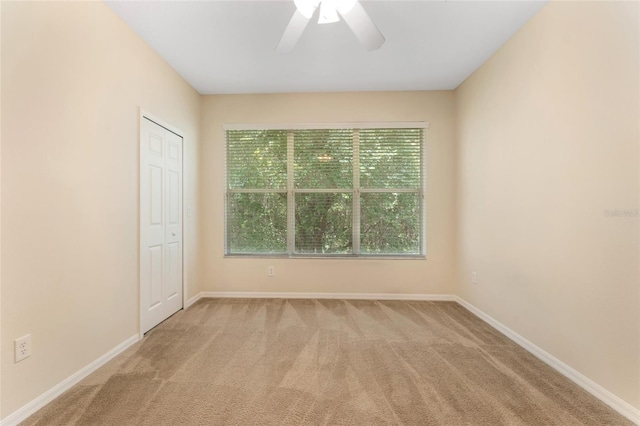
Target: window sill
{"x": 326, "y": 257}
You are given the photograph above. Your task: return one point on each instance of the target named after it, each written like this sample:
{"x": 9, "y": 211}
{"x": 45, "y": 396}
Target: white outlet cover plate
{"x": 23, "y": 347}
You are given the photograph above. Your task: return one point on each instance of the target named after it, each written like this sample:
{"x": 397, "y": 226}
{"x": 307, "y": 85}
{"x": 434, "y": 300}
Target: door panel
{"x": 161, "y": 284}
{"x": 174, "y": 270}
{"x": 155, "y": 144}
{"x": 155, "y": 276}
{"x": 155, "y": 190}
{"x": 173, "y": 185}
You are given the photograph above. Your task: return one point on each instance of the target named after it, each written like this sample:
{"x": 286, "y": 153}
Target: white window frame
{"x": 355, "y": 190}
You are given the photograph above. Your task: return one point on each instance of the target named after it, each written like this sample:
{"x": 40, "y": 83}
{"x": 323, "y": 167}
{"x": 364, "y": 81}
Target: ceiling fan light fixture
{"x": 306, "y": 7}
{"x": 328, "y": 13}
{"x": 351, "y": 11}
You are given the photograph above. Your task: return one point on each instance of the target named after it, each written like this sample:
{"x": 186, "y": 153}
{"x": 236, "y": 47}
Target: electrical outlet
{"x": 23, "y": 347}
{"x": 271, "y": 271}
{"x": 474, "y": 278}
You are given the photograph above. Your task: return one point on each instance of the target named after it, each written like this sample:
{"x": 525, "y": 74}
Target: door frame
{"x": 144, "y": 114}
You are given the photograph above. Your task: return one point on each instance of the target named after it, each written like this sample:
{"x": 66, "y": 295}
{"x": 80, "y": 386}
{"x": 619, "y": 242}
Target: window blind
{"x": 325, "y": 192}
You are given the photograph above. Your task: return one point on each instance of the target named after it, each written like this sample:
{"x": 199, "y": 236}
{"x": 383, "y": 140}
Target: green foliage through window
{"x": 328, "y": 192}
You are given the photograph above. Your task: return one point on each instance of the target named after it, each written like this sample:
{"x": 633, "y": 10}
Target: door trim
{"x": 142, "y": 114}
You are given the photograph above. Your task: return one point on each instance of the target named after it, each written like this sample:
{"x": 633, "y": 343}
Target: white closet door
{"x": 160, "y": 223}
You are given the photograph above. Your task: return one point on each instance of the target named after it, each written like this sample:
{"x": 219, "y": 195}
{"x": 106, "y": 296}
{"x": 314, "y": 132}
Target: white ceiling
{"x": 229, "y": 46}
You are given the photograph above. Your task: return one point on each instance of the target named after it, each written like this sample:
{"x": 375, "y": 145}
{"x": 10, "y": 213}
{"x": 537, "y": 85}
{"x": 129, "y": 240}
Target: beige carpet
{"x": 325, "y": 362}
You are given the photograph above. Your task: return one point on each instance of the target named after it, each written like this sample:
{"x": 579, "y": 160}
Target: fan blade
{"x": 363, "y": 27}
{"x": 292, "y": 33}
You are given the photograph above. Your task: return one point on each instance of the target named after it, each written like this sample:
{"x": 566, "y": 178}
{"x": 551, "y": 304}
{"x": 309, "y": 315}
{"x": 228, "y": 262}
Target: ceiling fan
{"x": 350, "y": 10}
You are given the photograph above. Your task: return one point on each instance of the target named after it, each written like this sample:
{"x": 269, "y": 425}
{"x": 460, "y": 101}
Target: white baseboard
{"x": 192, "y": 300}
{"x": 303, "y": 295}
{"x": 578, "y": 378}
{"x": 33, "y": 406}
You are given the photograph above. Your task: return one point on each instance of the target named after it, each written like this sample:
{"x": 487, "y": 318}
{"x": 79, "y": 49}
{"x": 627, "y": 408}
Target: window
{"x": 325, "y": 192}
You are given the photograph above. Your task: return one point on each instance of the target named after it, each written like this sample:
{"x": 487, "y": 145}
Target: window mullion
{"x": 356, "y": 192}
{"x": 291, "y": 204}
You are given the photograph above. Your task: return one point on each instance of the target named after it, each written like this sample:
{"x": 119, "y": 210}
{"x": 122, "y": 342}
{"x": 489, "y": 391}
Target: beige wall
{"x": 547, "y": 141}
{"x": 73, "y": 77}
{"x": 433, "y": 275}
